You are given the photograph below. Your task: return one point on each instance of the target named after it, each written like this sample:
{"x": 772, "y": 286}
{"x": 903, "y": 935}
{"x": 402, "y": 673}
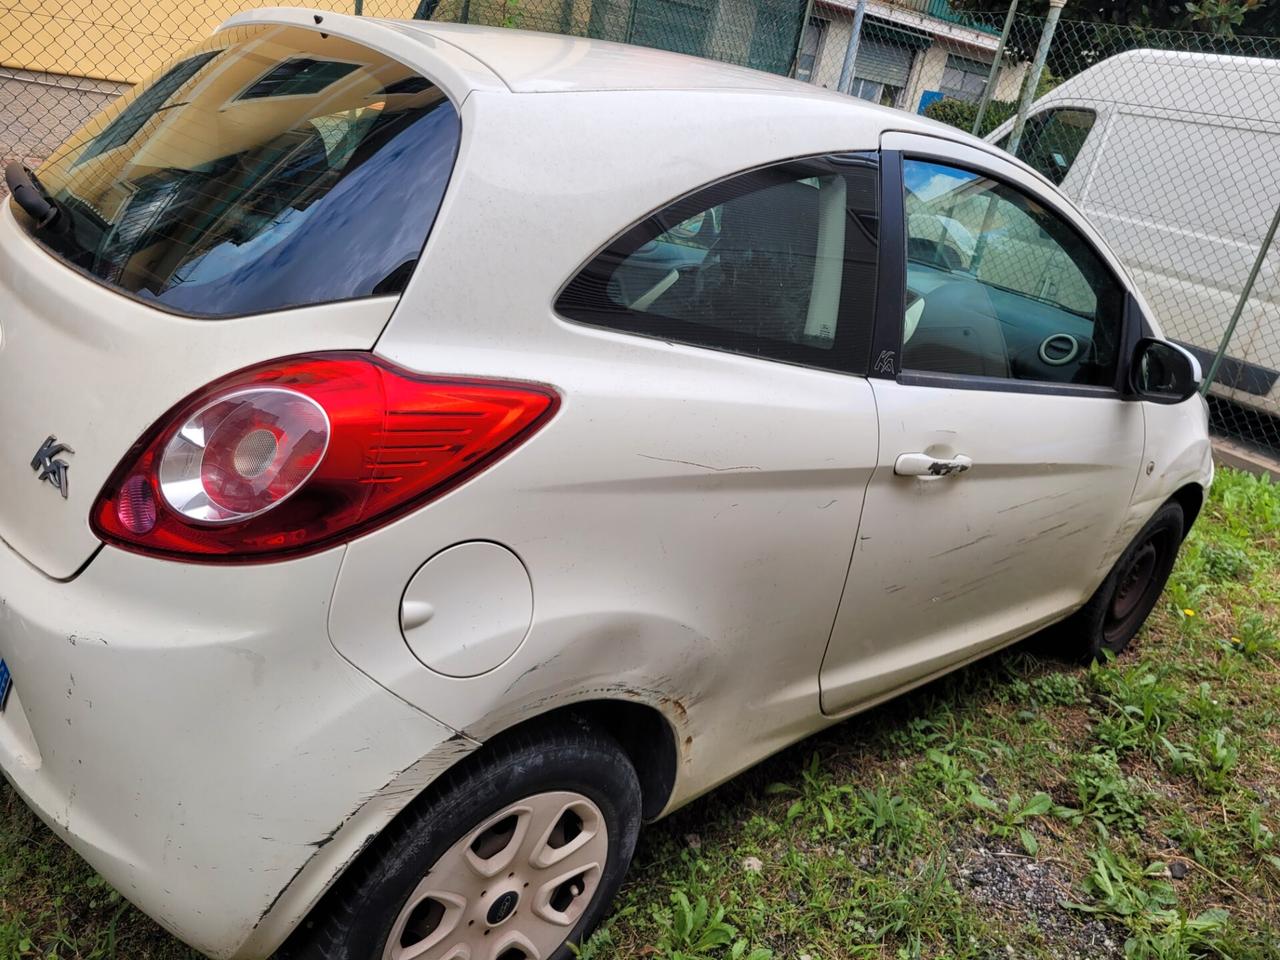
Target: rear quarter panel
{"x": 688, "y": 516}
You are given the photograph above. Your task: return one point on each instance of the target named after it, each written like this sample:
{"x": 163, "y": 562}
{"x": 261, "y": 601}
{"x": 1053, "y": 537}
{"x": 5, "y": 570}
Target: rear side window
{"x": 1053, "y": 139}
{"x": 778, "y": 263}
{"x": 272, "y": 167}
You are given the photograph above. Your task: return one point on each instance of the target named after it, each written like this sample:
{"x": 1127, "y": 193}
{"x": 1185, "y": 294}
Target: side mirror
{"x": 1162, "y": 372}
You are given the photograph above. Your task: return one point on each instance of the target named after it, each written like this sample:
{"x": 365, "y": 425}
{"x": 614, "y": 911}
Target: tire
{"x": 1118, "y": 609}
{"x": 454, "y": 846}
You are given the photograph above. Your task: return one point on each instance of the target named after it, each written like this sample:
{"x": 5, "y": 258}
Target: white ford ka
{"x": 428, "y": 452}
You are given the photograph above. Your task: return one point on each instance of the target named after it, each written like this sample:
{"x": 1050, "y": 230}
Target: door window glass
{"x": 1000, "y": 286}
{"x": 1053, "y": 139}
{"x": 778, "y": 263}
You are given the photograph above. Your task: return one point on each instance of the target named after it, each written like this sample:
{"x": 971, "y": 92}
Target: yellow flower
{"x": 1189, "y": 612}
{"x": 1235, "y": 639}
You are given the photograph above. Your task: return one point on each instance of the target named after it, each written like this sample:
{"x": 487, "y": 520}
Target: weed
{"x": 1014, "y": 815}
{"x": 1222, "y": 562}
{"x": 888, "y": 818}
{"x": 1105, "y": 796}
{"x": 697, "y": 931}
{"x": 1138, "y": 702}
{"x": 1254, "y": 636}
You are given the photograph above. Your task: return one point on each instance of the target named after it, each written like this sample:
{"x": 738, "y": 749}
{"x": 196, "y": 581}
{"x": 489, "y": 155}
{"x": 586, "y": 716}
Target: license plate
{"x": 6, "y": 683}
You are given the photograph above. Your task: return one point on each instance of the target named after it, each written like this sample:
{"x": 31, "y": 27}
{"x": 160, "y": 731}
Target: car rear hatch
{"x": 268, "y": 194}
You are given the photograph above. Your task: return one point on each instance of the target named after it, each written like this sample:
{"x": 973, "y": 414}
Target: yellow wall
{"x": 123, "y": 40}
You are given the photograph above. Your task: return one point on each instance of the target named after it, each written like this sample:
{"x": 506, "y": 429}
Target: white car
{"x": 427, "y": 452}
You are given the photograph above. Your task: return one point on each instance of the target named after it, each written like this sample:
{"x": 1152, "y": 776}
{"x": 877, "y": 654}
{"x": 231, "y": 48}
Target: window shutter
{"x": 882, "y": 63}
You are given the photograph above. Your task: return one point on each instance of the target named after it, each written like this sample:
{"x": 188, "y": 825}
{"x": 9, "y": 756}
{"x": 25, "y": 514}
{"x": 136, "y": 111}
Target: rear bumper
{"x": 192, "y": 733}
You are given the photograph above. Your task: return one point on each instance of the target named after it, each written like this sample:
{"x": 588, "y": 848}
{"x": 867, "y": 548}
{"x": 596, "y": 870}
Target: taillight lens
{"x": 299, "y": 454}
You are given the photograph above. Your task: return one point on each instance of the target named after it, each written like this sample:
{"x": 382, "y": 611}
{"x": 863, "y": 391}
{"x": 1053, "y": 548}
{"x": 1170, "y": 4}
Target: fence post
{"x": 1037, "y": 67}
{"x": 990, "y": 89}
{"x": 851, "y": 51}
{"x": 804, "y": 29}
{"x": 359, "y": 7}
{"x": 1240, "y": 304}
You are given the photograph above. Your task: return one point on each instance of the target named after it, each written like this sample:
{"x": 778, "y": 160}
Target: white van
{"x": 1175, "y": 158}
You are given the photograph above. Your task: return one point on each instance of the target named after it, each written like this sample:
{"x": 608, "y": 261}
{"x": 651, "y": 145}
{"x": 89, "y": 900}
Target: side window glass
{"x": 778, "y": 263}
{"x": 1000, "y": 286}
{"x": 1052, "y": 140}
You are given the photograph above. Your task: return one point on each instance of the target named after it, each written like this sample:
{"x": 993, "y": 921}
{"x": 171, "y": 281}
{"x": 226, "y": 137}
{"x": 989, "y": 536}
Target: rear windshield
{"x": 270, "y": 167}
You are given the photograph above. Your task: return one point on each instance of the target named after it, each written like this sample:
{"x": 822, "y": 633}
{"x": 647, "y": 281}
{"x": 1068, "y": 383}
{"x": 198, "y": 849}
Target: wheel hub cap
{"x": 513, "y": 888}
{"x": 502, "y": 908}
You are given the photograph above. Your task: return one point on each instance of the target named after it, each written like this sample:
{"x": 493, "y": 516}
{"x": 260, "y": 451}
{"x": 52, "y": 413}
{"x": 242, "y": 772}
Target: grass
{"x": 1022, "y": 807}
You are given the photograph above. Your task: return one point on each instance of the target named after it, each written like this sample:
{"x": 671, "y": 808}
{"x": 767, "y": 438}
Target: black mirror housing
{"x": 1162, "y": 372}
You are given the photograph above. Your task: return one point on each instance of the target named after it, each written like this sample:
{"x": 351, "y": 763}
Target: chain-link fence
{"x": 1168, "y": 140}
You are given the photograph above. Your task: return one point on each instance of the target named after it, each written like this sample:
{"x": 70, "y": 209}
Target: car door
{"x": 1007, "y": 458}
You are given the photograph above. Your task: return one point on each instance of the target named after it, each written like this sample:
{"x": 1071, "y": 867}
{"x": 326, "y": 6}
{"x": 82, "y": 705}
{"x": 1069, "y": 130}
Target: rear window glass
{"x": 271, "y": 167}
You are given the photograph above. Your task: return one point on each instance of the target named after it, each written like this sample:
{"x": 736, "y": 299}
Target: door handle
{"x": 923, "y": 465}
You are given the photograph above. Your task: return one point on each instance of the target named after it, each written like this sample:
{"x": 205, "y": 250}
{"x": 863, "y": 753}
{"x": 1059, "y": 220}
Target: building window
{"x": 964, "y": 79}
{"x": 881, "y": 71}
{"x": 815, "y": 35}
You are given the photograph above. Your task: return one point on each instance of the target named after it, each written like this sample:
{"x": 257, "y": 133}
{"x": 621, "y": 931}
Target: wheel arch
{"x": 1191, "y": 498}
{"x": 647, "y": 736}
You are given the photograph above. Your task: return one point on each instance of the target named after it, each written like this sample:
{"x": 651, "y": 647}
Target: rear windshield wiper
{"x": 31, "y": 197}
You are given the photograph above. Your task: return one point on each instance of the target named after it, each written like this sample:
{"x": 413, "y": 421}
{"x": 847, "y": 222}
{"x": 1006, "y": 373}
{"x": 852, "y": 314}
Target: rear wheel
{"x": 513, "y": 860}
{"x": 1119, "y": 608}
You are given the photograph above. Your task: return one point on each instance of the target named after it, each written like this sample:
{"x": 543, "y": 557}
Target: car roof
{"x": 534, "y": 62}
{"x": 530, "y": 62}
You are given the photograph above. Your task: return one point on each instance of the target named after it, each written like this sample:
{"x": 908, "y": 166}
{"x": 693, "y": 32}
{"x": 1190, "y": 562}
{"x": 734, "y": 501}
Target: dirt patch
{"x": 1018, "y": 891}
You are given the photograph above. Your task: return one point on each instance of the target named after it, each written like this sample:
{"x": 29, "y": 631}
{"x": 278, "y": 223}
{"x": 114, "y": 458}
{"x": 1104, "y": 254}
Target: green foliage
{"x": 887, "y": 817}
{"x": 1254, "y": 636}
{"x": 697, "y": 931}
{"x": 1138, "y": 703}
{"x": 1013, "y": 816}
{"x": 961, "y": 113}
{"x": 1221, "y": 17}
{"x": 1225, "y": 562}
{"x": 1210, "y": 761}
{"x": 1105, "y": 796}
{"x": 1144, "y": 902}
{"x": 822, "y": 805}
{"x": 1247, "y": 506}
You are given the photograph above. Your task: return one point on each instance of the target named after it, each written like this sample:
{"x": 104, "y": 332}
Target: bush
{"x": 961, "y": 113}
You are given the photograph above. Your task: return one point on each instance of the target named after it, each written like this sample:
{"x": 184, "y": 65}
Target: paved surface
{"x": 39, "y": 111}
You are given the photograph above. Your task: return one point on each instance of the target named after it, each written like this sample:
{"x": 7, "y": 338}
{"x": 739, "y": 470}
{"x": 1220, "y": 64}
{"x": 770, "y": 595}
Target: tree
{"x": 1221, "y": 17}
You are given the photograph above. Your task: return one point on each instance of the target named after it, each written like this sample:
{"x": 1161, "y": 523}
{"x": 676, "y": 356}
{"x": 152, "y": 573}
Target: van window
{"x": 1053, "y": 139}
{"x": 271, "y": 167}
{"x": 777, "y": 263}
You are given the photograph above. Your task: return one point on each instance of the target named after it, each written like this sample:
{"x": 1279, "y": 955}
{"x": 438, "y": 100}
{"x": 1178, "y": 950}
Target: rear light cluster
{"x": 296, "y": 455}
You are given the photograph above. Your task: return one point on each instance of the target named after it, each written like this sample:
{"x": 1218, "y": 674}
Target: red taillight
{"x": 299, "y": 454}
